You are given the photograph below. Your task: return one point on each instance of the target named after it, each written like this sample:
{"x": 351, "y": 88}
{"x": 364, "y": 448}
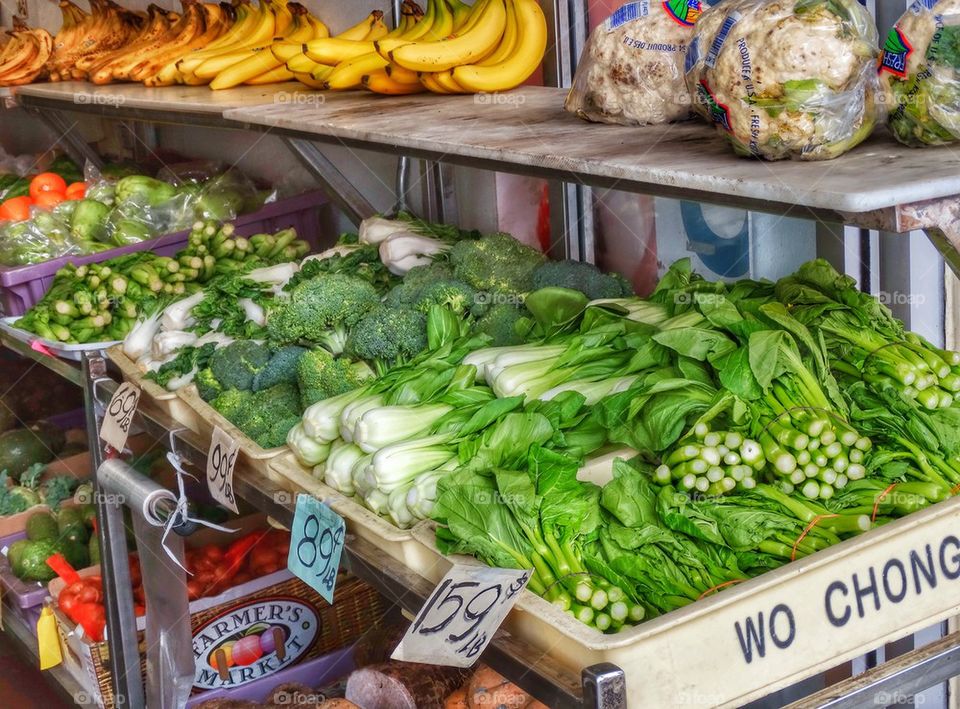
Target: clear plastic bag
{"x": 631, "y": 71}
{"x": 787, "y": 78}
{"x": 227, "y": 196}
{"x": 920, "y": 71}
{"x": 43, "y": 237}
{"x": 133, "y": 221}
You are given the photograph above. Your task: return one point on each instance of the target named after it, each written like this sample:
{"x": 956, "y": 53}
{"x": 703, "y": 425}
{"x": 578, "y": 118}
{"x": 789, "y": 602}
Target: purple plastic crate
{"x": 317, "y": 672}
{"x": 23, "y": 286}
{"x": 23, "y": 594}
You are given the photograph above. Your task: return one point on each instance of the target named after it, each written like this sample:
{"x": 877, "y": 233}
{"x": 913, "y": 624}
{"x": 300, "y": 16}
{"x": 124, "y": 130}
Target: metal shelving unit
{"x": 528, "y": 133}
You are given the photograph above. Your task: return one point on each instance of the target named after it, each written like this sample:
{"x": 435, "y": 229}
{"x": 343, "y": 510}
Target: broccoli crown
{"x": 499, "y": 323}
{"x": 207, "y": 385}
{"x": 319, "y": 305}
{"x": 262, "y": 415}
{"x": 282, "y": 367}
{"x": 321, "y": 376}
{"x": 236, "y": 365}
{"x": 420, "y": 276}
{"x": 496, "y": 263}
{"x": 453, "y": 294}
{"x": 583, "y": 277}
{"x": 389, "y": 335}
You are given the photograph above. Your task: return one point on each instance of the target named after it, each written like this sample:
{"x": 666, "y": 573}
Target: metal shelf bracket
{"x": 338, "y": 188}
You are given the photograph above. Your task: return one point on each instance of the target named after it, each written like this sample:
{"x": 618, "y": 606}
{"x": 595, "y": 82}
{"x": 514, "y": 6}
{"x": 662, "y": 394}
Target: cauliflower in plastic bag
{"x": 921, "y": 70}
{"x": 786, "y": 78}
{"x": 632, "y": 68}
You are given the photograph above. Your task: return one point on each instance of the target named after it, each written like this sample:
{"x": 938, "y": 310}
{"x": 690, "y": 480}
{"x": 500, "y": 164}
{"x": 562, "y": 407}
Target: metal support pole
{"x": 114, "y": 561}
{"x": 604, "y": 687}
{"x": 338, "y": 188}
{"x": 77, "y": 148}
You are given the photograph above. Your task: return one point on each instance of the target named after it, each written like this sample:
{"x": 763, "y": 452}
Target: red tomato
{"x": 49, "y": 200}
{"x": 16, "y": 209}
{"x": 47, "y": 182}
{"x": 76, "y": 190}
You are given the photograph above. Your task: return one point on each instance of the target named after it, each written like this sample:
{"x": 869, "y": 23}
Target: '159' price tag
{"x": 461, "y": 616}
{"x": 221, "y": 460}
{"x": 316, "y": 542}
{"x": 119, "y": 416}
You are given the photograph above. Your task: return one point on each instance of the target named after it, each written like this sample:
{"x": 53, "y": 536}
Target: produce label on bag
{"x": 119, "y": 416}
{"x": 316, "y": 543}
{"x": 462, "y": 615}
{"x": 221, "y": 460}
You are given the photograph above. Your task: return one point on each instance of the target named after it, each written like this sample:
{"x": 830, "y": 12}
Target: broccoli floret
{"x": 321, "y": 376}
{"x": 419, "y": 276}
{"x": 497, "y": 263}
{"x": 282, "y": 367}
{"x": 583, "y": 277}
{"x": 207, "y": 385}
{"x": 236, "y": 365}
{"x": 499, "y": 324}
{"x": 453, "y": 294}
{"x": 387, "y": 336}
{"x": 322, "y": 310}
{"x": 233, "y": 404}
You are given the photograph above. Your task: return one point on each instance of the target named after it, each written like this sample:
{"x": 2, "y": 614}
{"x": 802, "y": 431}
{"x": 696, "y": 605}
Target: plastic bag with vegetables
{"x": 41, "y": 238}
{"x": 786, "y": 78}
{"x": 631, "y": 71}
{"x": 920, "y": 68}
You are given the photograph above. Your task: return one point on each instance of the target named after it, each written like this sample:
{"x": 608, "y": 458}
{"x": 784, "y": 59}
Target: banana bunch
{"x": 83, "y": 38}
{"x": 452, "y": 48}
{"x": 23, "y": 56}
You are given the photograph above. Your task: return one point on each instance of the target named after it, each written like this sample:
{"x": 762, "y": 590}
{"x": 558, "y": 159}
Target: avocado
{"x": 69, "y": 517}
{"x": 33, "y": 561}
{"x": 42, "y": 525}
{"x": 89, "y": 514}
{"x": 23, "y": 447}
{"x": 75, "y": 552}
{"x": 15, "y": 554}
{"x": 93, "y": 548}
{"x": 75, "y": 533}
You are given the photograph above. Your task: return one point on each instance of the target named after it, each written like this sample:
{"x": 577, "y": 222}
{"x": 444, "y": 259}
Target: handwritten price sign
{"x": 221, "y": 460}
{"x": 119, "y": 416}
{"x": 461, "y": 616}
{"x": 316, "y": 543}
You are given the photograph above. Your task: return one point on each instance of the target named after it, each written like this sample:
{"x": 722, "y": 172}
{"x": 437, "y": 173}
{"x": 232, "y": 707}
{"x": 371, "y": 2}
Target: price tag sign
{"x": 316, "y": 542}
{"x": 119, "y": 416}
{"x": 221, "y": 460}
{"x": 461, "y": 616}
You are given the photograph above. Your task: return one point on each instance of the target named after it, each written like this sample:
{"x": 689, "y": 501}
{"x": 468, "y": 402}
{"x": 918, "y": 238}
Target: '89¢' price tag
{"x": 119, "y": 416}
{"x": 462, "y": 615}
{"x": 316, "y": 543}
{"x": 221, "y": 460}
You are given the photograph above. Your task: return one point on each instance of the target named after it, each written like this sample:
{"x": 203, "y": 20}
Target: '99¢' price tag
{"x": 119, "y": 416}
{"x": 316, "y": 543}
{"x": 462, "y": 615}
{"x": 221, "y": 460}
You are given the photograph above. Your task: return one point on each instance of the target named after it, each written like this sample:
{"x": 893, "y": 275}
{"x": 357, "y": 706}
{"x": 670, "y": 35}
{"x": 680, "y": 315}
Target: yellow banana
{"x": 321, "y": 74}
{"x": 244, "y": 24}
{"x": 285, "y": 50}
{"x": 430, "y": 82}
{"x": 320, "y": 30}
{"x": 333, "y": 50}
{"x": 467, "y": 48}
{"x": 302, "y": 64}
{"x": 509, "y": 42}
{"x": 262, "y": 59}
{"x": 308, "y": 80}
{"x": 210, "y": 66}
{"x": 399, "y": 73}
{"x": 461, "y": 13}
{"x": 378, "y": 30}
{"x": 257, "y": 23}
{"x": 446, "y": 80}
{"x": 274, "y": 76}
{"x": 516, "y": 68}
{"x": 380, "y": 83}
{"x": 349, "y": 74}
{"x": 442, "y": 26}
{"x": 362, "y": 28}
{"x": 418, "y": 31}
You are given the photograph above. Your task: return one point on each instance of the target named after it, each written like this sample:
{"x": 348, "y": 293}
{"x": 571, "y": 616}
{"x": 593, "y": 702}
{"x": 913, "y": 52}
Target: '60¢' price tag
{"x": 316, "y": 543}
{"x": 119, "y": 416}
{"x": 221, "y": 460}
{"x": 461, "y": 616}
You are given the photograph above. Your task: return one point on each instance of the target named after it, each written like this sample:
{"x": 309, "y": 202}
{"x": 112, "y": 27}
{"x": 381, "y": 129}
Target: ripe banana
{"x": 308, "y": 80}
{"x": 461, "y": 14}
{"x": 333, "y": 50}
{"x": 213, "y": 22}
{"x": 268, "y": 22}
{"x": 430, "y": 82}
{"x": 360, "y": 30}
{"x": 467, "y": 48}
{"x": 349, "y": 74}
{"x": 401, "y": 74}
{"x": 302, "y": 64}
{"x": 520, "y": 64}
{"x": 380, "y": 83}
{"x": 285, "y": 50}
{"x": 446, "y": 81}
{"x": 378, "y": 30}
{"x": 510, "y": 36}
{"x": 248, "y": 21}
{"x": 274, "y": 76}
{"x": 442, "y": 26}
